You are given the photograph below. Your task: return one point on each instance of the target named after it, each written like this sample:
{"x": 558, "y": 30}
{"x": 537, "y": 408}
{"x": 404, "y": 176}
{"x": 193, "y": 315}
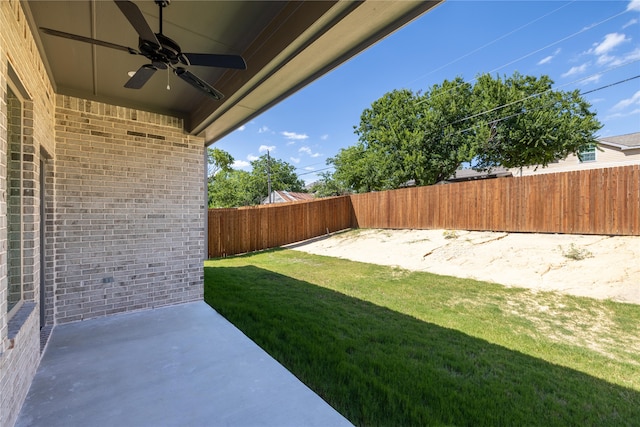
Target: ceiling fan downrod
{"x": 164, "y": 53}
{"x": 161, "y": 5}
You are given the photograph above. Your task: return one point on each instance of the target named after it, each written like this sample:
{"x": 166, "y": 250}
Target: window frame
{"x": 17, "y": 93}
{"x": 590, "y": 152}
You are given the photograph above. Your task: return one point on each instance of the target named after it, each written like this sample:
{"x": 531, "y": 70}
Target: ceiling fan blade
{"x": 215, "y": 60}
{"x": 198, "y": 83}
{"x": 136, "y": 19}
{"x": 86, "y": 40}
{"x": 141, "y": 76}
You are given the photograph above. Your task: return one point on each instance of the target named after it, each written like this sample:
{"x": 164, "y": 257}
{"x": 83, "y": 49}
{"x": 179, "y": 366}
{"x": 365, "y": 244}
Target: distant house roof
{"x": 630, "y": 141}
{"x": 472, "y": 175}
{"x": 282, "y": 196}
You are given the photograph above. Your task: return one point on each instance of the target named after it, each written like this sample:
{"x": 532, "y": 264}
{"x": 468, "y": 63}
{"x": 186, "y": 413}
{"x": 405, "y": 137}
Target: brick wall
{"x": 21, "y": 65}
{"x": 129, "y": 210}
{"x": 19, "y": 362}
{"x": 124, "y": 209}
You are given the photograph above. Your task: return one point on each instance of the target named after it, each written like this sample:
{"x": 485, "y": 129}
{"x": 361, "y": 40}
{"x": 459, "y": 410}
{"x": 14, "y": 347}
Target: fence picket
{"x": 597, "y": 201}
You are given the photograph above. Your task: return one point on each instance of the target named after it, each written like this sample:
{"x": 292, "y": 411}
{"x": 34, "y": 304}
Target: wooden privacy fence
{"x": 598, "y": 201}
{"x": 239, "y": 230}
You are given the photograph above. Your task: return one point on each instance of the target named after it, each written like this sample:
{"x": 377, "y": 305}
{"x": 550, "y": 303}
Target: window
{"x": 14, "y": 200}
{"x": 588, "y": 154}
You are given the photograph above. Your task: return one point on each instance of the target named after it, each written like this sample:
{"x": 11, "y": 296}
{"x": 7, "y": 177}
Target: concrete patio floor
{"x": 182, "y": 365}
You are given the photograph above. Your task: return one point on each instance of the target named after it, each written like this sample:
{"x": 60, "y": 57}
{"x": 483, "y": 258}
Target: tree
{"x": 281, "y": 173}
{"x": 526, "y": 123}
{"x": 512, "y": 122}
{"x": 328, "y": 186}
{"x": 219, "y": 164}
{"x": 232, "y": 188}
{"x": 218, "y": 160}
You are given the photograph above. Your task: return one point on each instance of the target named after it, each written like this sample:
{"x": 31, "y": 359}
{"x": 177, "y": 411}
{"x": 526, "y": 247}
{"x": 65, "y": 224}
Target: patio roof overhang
{"x": 286, "y": 44}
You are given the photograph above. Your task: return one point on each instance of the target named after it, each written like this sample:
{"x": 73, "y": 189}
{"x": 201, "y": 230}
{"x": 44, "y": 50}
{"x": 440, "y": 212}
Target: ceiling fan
{"x": 164, "y": 53}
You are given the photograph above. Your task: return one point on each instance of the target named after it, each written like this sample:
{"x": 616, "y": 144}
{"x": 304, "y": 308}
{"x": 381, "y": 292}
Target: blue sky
{"x": 582, "y": 44}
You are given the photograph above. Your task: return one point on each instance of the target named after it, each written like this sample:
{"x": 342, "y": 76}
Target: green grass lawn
{"x": 386, "y": 346}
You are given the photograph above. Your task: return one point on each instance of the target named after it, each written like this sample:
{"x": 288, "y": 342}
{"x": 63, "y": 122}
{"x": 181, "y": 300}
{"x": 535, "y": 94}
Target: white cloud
{"x": 251, "y": 157}
{"x": 592, "y": 79}
{"x": 621, "y": 105}
{"x": 576, "y": 70}
{"x": 292, "y": 136}
{"x": 630, "y": 23}
{"x": 310, "y": 168}
{"x": 265, "y": 148}
{"x": 545, "y": 60}
{"x": 548, "y": 59}
{"x": 263, "y": 129}
{"x": 241, "y": 128}
{"x": 324, "y": 137}
{"x": 634, "y": 55}
{"x": 240, "y": 164}
{"x": 306, "y": 150}
{"x": 609, "y": 43}
{"x": 621, "y": 115}
{"x": 295, "y": 159}
{"x": 634, "y": 5}
{"x": 605, "y": 59}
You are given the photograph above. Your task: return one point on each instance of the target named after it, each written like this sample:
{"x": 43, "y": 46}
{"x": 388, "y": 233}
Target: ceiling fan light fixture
{"x": 163, "y": 52}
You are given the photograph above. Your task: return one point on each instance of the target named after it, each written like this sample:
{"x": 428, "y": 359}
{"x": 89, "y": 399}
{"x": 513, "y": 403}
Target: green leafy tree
{"x": 218, "y": 160}
{"x": 282, "y": 175}
{"x": 354, "y": 171}
{"x": 230, "y": 189}
{"x": 512, "y": 122}
{"x": 219, "y": 164}
{"x": 524, "y": 122}
{"x": 328, "y": 186}
{"x": 233, "y": 188}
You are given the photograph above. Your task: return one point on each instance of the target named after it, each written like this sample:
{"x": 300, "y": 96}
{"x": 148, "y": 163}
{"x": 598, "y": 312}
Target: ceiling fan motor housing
{"x": 168, "y": 52}
{"x": 163, "y": 52}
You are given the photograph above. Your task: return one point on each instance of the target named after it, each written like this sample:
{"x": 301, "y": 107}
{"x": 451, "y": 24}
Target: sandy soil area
{"x": 610, "y": 268}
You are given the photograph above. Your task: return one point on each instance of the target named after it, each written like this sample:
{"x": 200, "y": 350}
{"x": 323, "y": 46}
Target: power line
{"x": 501, "y": 119}
{"x": 524, "y": 112}
{"x": 492, "y": 42}
{"x": 312, "y": 164}
{"x": 315, "y": 171}
{"x": 537, "y": 50}
{"x": 559, "y": 41}
{"x": 499, "y": 107}
{"x": 609, "y": 85}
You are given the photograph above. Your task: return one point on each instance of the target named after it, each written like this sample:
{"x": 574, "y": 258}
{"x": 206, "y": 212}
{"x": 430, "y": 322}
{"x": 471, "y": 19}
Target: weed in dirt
{"x": 450, "y": 234}
{"x": 576, "y": 253}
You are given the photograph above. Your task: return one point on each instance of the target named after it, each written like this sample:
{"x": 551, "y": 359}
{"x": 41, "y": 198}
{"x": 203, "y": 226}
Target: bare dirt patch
{"x": 594, "y": 266}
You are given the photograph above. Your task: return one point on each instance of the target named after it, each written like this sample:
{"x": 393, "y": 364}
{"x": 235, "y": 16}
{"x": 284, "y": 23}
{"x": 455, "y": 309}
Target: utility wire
{"x": 558, "y": 41}
{"x": 588, "y": 28}
{"x": 491, "y": 42}
{"x": 501, "y": 119}
{"x": 524, "y": 112}
{"x": 609, "y": 85}
{"x": 315, "y": 171}
{"x": 499, "y": 107}
{"x": 312, "y": 164}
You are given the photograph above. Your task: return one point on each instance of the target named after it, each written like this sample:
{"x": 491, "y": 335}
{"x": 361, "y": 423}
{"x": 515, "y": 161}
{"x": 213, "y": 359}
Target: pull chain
{"x": 168, "y": 73}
